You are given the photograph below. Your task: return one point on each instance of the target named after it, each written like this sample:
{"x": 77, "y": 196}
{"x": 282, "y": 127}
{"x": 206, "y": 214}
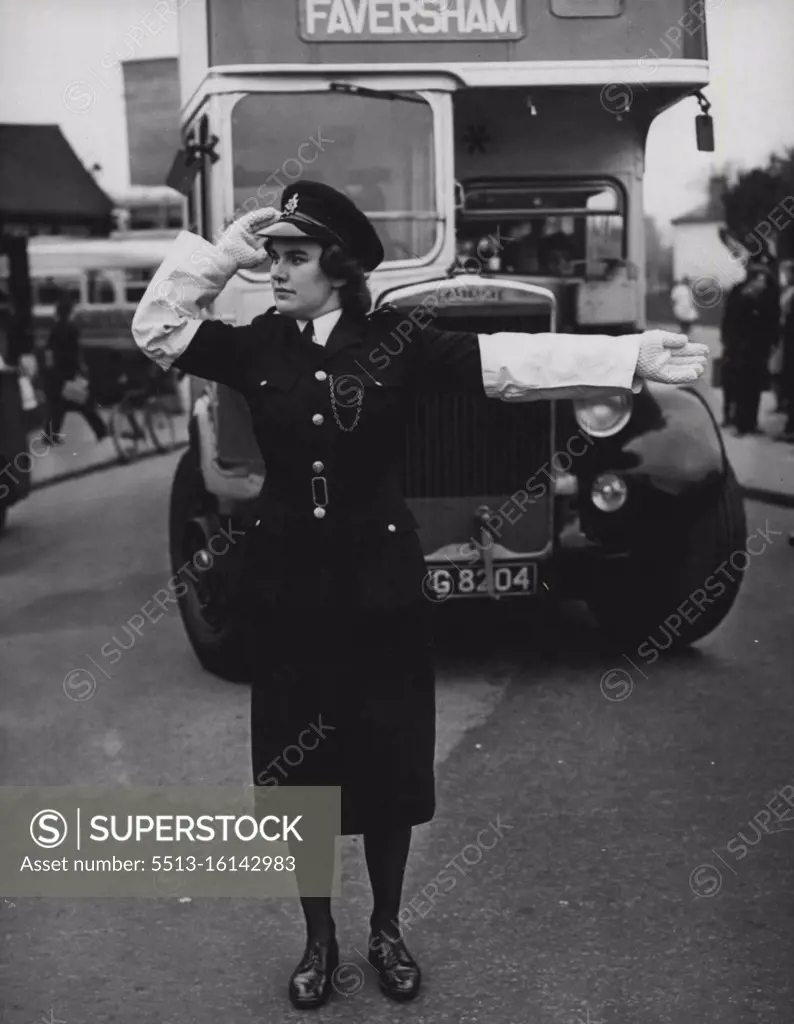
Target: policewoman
{"x": 343, "y": 644}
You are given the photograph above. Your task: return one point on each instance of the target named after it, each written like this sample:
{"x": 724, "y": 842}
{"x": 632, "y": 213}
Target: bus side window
{"x": 100, "y": 288}
{"x": 47, "y": 291}
{"x": 136, "y": 281}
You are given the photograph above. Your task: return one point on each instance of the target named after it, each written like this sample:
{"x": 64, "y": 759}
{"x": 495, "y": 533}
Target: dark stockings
{"x": 316, "y": 877}
{"x": 386, "y": 852}
{"x": 319, "y": 923}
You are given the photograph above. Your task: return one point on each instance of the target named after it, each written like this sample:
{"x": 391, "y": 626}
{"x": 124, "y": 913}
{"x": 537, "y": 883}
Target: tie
{"x": 308, "y": 333}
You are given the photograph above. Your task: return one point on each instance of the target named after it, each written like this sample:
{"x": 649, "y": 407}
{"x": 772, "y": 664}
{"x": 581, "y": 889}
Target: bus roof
{"x": 470, "y": 42}
{"x": 56, "y": 253}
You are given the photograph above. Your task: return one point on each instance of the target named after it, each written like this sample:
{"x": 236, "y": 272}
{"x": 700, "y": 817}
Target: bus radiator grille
{"x": 464, "y": 445}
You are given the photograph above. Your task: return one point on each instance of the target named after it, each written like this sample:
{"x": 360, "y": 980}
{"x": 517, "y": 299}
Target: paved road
{"x": 597, "y": 844}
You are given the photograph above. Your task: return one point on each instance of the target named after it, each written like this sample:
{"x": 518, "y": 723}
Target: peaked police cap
{"x": 310, "y": 209}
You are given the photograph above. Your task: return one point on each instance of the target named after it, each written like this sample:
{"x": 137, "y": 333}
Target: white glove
{"x": 670, "y": 358}
{"x": 239, "y": 240}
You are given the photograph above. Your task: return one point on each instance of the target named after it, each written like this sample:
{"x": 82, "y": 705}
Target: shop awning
{"x": 43, "y": 183}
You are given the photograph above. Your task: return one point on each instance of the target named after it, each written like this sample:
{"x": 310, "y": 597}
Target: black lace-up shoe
{"x": 398, "y": 972}
{"x": 311, "y": 982}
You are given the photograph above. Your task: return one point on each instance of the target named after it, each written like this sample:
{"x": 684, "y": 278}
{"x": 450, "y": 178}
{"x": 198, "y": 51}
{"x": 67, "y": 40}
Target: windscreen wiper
{"x": 378, "y": 94}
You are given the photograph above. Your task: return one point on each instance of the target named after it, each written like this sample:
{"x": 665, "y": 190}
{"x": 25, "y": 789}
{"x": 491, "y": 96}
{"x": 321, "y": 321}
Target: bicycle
{"x": 141, "y": 412}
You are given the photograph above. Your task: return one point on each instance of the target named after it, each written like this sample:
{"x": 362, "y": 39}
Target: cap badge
{"x": 290, "y": 206}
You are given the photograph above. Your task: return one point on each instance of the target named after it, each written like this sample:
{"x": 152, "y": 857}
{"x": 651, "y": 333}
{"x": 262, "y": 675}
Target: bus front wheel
{"x": 215, "y": 622}
{"x": 675, "y": 592}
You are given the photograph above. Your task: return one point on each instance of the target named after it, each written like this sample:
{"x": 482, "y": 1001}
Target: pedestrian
{"x": 684, "y": 308}
{"x": 66, "y": 379}
{"x": 729, "y": 377}
{"x": 749, "y": 331}
{"x": 343, "y": 647}
{"x": 787, "y": 346}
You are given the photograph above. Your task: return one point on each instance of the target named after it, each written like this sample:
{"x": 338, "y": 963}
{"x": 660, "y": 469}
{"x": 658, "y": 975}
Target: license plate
{"x": 509, "y": 579}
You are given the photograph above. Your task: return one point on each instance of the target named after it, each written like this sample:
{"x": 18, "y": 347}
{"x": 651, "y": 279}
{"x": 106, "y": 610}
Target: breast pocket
{"x": 381, "y": 398}
{"x": 273, "y": 394}
{"x": 275, "y": 378}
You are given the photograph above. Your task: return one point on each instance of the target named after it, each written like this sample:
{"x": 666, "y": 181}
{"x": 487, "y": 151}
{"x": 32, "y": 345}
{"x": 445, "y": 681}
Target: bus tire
{"x": 642, "y": 598}
{"x": 213, "y": 619}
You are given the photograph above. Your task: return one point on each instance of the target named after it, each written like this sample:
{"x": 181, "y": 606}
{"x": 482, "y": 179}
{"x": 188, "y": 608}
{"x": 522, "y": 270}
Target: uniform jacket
{"x": 750, "y": 326}
{"x": 329, "y": 421}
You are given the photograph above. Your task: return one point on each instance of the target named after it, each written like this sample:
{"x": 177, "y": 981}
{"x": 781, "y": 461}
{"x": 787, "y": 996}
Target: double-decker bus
{"x": 499, "y": 148}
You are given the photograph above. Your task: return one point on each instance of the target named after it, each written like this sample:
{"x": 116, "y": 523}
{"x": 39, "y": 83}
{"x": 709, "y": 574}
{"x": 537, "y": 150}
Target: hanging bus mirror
{"x": 187, "y": 163}
{"x": 183, "y": 172}
{"x": 704, "y": 126}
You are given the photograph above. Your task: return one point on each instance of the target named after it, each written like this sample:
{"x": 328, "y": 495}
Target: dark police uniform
{"x": 344, "y": 688}
{"x": 750, "y": 327}
{"x": 344, "y": 679}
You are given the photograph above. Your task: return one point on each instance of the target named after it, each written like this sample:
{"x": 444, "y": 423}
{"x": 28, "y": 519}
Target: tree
{"x": 755, "y": 213}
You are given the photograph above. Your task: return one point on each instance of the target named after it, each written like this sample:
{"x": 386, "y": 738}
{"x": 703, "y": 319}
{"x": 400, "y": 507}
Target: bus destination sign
{"x": 344, "y": 21}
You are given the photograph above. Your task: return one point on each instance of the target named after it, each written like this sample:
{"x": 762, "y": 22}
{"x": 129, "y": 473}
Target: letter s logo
{"x": 48, "y": 829}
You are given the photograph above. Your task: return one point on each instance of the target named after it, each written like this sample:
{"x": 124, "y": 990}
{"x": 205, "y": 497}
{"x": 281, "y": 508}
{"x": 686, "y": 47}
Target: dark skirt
{"x": 345, "y": 696}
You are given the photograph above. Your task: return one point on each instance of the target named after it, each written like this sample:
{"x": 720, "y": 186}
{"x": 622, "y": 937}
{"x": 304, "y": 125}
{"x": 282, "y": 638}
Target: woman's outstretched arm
{"x": 525, "y": 367}
{"x": 518, "y": 367}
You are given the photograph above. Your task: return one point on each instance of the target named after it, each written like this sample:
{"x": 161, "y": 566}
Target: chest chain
{"x": 334, "y": 405}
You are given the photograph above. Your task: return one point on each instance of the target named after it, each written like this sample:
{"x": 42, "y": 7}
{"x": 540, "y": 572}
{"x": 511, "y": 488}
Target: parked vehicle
{"x": 106, "y": 277}
{"x": 503, "y": 167}
{"x": 15, "y": 459}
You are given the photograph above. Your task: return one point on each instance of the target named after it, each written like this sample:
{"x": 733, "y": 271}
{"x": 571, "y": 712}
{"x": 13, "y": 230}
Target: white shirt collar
{"x": 323, "y": 326}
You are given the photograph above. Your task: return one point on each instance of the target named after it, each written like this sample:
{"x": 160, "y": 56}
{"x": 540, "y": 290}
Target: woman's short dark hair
{"x": 354, "y": 295}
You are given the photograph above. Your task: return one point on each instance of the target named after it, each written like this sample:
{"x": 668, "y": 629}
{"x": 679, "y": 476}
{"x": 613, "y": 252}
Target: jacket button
{"x": 258, "y": 522}
{"x": 319, "y": 513}
{"x": 391, "y": 528}
{"x": 317, "y": 467}
{"x": 262, "y": 383}
{"x": 318, "y": 419}
{"x": 321, "y": 375}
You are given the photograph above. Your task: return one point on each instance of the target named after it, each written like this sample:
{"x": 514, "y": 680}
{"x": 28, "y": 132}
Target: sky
{"x": 59, "y": 68}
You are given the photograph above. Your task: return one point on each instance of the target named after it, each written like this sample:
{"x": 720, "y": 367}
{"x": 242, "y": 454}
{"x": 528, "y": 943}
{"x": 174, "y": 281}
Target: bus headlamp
{"x": 609, "y": 492}
{"x": 603, "y": 417}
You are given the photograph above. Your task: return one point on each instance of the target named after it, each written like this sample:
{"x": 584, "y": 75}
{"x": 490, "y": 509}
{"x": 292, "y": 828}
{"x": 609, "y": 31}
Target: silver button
{"x": 391, "y": 528}
{"x": 319, "y": 513}
{"x": 318, "y": 419}
{"x": 317, "y": 467}
{"x": 321, "y": 375}
{"x": 262, "y": 383}
{"x": 258, "y": 522}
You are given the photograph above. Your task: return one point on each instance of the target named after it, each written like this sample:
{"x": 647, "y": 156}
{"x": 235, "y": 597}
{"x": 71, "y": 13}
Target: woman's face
{"x": 300, "y": 287}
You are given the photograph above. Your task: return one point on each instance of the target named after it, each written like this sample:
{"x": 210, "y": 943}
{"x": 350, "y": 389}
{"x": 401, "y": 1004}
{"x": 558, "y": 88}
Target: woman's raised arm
{"x": 172, "y": 325}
